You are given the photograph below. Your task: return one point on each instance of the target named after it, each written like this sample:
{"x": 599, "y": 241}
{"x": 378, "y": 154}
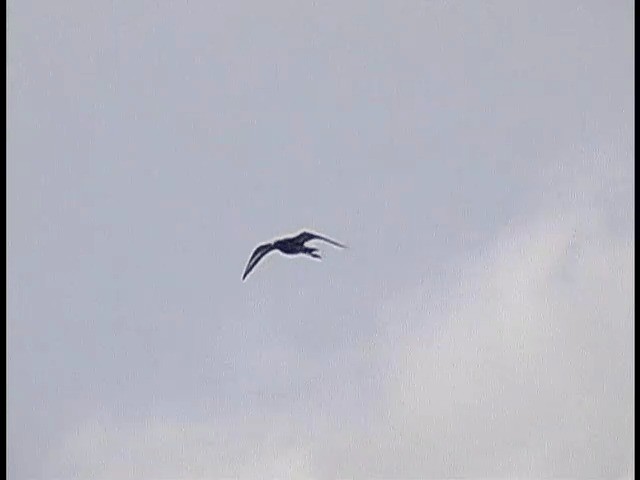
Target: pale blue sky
{"x": 152, "y": 145}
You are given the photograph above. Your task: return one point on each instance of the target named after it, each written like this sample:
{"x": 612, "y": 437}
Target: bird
{"x": 289, "y": 246}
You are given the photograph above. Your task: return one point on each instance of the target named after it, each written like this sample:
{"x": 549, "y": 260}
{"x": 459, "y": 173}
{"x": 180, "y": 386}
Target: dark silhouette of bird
{"x": 288, "y": 246}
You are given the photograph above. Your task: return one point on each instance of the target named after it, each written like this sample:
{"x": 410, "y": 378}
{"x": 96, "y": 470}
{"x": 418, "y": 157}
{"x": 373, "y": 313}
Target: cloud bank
{"x": 521, "y": 366}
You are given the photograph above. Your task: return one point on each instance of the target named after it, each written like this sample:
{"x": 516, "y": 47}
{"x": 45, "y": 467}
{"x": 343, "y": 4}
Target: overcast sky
{"x": 477, "y": 157}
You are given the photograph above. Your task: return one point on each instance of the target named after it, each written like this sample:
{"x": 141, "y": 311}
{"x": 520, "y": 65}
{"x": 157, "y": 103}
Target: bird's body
{"x": 288, "y": 246}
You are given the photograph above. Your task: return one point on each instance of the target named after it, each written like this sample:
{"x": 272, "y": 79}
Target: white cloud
{"x": 522, "y": 367}
{"x": 251, "y": 447}
{"x": 530, "y": 372}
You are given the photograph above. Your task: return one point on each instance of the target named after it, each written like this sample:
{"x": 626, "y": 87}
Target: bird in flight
{"x": 289, "y": 246}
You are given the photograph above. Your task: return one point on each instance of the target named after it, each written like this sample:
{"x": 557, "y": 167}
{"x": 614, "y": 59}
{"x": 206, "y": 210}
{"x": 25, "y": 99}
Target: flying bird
{"x": 288, "y": 246}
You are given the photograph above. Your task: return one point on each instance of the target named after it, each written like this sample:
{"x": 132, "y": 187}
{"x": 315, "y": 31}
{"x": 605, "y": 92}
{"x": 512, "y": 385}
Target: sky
{"x": 477, "y": 158}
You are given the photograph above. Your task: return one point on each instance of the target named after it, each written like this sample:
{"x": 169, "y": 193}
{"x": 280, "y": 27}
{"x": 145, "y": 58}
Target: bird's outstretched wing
{"x": 256, "y": 256}
{"x": 306, "y": 236}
